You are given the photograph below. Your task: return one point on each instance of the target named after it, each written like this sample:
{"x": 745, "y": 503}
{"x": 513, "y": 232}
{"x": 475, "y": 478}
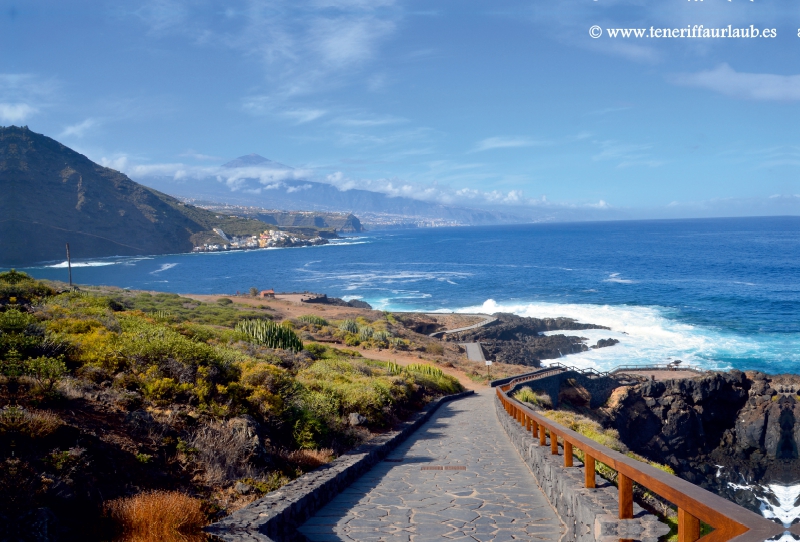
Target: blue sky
{"x": 501, "y": 103}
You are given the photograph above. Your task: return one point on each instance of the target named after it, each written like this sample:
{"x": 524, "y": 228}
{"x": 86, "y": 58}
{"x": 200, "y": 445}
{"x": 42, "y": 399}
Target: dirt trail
{"x": 407, "y": 358}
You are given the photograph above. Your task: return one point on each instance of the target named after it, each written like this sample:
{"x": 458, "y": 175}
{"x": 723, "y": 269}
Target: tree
{"x": 254, "y": 291}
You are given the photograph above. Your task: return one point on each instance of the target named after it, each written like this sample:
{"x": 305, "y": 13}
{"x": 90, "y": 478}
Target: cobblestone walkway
{"x": 494, "y": 498}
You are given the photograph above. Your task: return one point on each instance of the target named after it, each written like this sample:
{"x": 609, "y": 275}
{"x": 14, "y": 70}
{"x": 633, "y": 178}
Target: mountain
{"x": 52, "y": 195}
{"x": 253, "y": 180}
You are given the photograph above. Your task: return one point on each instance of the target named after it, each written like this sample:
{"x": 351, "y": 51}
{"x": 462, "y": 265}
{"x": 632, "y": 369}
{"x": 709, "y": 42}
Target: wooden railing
{"x": 728, "y": 520}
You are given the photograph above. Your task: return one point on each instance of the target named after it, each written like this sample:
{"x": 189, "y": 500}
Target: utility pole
{"x": 69, "y": 266}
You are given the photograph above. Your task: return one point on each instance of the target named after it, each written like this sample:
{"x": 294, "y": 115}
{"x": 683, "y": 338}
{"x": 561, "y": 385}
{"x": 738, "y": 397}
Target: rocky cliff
{"x": 725, "y": 427}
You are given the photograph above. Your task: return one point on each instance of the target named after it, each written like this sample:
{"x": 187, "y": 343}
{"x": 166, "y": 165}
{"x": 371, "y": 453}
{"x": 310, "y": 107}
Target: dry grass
{"x": 224, "y": 453}
{"x": 310, "y": 458}
{"x": 32, "y": 423}
{"x": 157, "y": 515}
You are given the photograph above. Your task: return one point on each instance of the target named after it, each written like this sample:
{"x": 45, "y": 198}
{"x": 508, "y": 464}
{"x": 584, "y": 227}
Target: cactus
{"x": 350, "y": 326}
{"x": 394, "y": 368}
{"x": 270, "y": 334}
{"x": 365, "y": 333}
{"x": 427, "y": 370}
{"x": 313, "y": 319}
{"x": 381, "y": 336}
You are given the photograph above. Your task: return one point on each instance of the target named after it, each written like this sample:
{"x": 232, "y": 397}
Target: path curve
{"x": 489, "y": 320}
{"x": 474, "y": 487}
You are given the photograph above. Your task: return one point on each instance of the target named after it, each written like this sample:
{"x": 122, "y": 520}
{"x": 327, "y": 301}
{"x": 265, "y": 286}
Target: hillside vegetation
{"x": 106, "y": 397}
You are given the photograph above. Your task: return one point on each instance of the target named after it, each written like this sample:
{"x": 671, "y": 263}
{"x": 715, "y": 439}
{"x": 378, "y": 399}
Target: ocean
{"x": 717, "y": 293}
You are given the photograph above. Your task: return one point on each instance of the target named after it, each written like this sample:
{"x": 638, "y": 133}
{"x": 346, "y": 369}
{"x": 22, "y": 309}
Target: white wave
{"x": 163, "y": 267}
{"x": 64, "y": 264}
{"x": 614, "y": 277}
{"x": 351, "y": 297}
{"x": 646, "y": 334}
{"x": 346, "y": 242}
{"x": 777, "y": 502}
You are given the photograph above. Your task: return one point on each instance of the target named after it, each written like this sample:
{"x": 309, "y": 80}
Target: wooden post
{"x": 542, "y": 436}
{"x": 688, "y": 526}
{"x": 535, "y": 429}
{"x": 567, "y": 453}
{"x": 553, "y": 443}
{"x": 625, "y": 486}
{"x": 588, "y": 475}
{"x": 69, "y": 266}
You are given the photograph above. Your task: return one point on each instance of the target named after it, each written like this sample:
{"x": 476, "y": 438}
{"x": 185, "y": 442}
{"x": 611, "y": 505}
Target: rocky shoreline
{"x": 520, "y": 340}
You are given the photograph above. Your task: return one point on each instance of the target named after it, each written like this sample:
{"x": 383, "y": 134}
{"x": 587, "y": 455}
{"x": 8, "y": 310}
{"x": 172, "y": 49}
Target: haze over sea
{"x": 719, "y": 293}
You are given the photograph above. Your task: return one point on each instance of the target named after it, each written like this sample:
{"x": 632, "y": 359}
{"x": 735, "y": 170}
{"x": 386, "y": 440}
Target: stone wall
{"x": 277, "y": 515}
{"x": 588, "y": 514}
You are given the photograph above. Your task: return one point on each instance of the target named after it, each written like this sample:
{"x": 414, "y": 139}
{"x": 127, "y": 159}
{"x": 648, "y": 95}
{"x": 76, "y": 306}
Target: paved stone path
{"x": 474, "y": 351}
{"x": 495, "y": 498}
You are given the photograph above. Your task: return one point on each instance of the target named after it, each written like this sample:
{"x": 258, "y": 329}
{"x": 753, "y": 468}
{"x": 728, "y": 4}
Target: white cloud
{"x": 301, "y": 116}
{"x": 191, "y": 153}
{"x": 368, "y": 122}
{"x": 78, "y": 130}
{"x": 343, "y": 41}
{"x": 507, "y": 143}
{"x": 627, "y": 154}
{"x": 118, "y": 162}
{"x": 395, "y": 187}
{"x": 22, "y": 95}
{"x": 751, "y": 86}
{"x": 16, "y": 112}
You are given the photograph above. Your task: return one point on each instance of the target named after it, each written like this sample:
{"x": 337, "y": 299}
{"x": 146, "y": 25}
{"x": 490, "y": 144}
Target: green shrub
{"x": 143, "y": 458}
{"x": 365, "y": 334}
{"x": 527, "y": 395}
{"x": 435, "y": 349}
{"x": 270, "y": 334}
{"x": 316, "y": 350}
{"x": 224, "y": 301}
{"x": 47, "y": 372}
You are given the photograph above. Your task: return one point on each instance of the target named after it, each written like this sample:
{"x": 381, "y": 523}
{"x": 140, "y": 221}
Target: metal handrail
{"x": 695, "y": 504}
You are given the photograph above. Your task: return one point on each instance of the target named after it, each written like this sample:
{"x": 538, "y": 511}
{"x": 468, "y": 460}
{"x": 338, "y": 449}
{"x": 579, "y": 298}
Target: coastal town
{"x": 270, "y": 238}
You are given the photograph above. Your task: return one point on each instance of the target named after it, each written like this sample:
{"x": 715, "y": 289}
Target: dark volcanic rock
{"x": 681, "y": 418}
{"x": 519, "y": 340}
{"x": 603, "y": 343}
{"x": 510, "y": 327}
{"x": 747, "y": 424}
{"x": 534, "y": 349}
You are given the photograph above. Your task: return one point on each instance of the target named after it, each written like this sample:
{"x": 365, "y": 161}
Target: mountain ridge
{"x": 54, "y": 195}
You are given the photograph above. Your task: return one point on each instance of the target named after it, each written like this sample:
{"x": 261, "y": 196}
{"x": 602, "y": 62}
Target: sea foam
{"x": 647, "y": 335}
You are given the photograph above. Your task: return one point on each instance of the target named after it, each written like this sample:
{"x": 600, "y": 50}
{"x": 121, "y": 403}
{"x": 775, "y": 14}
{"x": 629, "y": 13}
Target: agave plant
{"x": 365, "y": 333}
{"x": 350, "y": 326}
{"x": 381, "y": 336}
{"x": 394, "y": 368}
{"x": 270, "y": 334}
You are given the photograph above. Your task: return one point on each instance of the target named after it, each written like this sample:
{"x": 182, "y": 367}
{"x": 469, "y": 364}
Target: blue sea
{"x": 718, "y": 293}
